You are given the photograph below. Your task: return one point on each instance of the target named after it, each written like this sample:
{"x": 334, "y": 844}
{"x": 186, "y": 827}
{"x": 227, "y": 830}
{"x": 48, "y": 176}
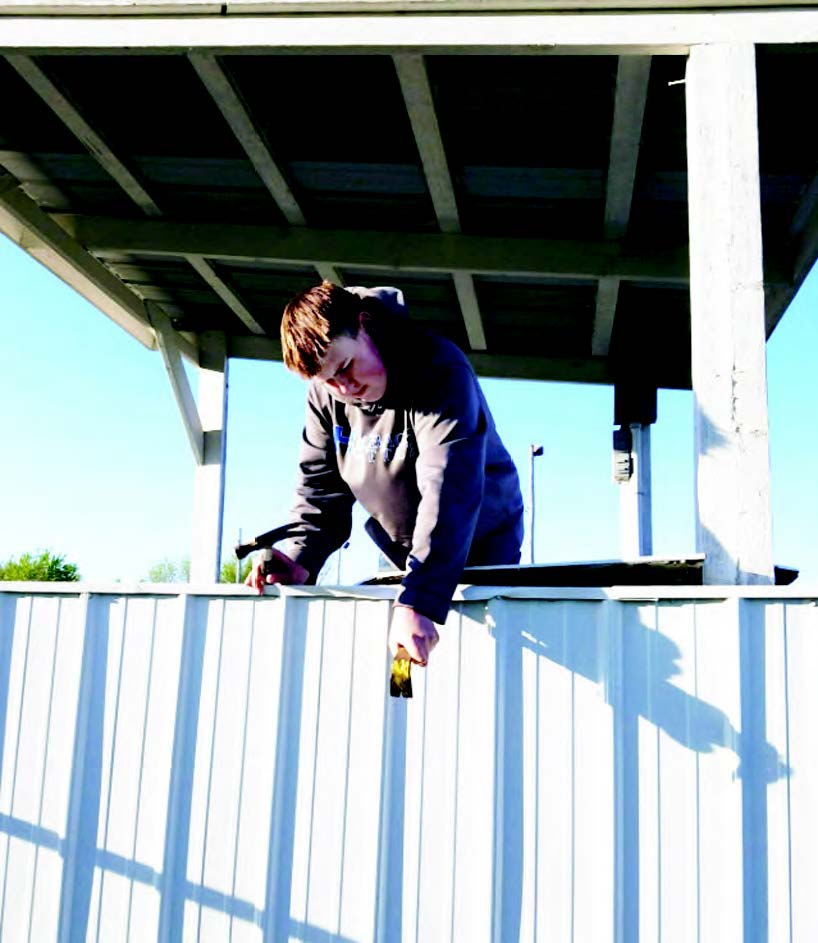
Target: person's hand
{"x": 293, "y": 573}
{"x": 416, "y": 633}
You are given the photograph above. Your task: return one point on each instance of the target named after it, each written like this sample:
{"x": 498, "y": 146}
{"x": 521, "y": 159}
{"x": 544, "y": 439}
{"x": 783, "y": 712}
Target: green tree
{"x": 228, "y": 574}
{"x": 42, "y": 566}
{"x": 170, "y": 571}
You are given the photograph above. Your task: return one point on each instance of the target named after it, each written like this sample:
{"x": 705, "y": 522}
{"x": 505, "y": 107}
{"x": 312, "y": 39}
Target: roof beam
{"x": 169, "y": 348}
{"x": 607, "y": 295}
{"x": 102, "y": 152}
{"x": 379, "y": 251}
{"x": 235, "y": 113}
{"x": 636, "y": 32}
{"x": 243, "y": 7}
{"x": 417, "y": 95}
{"x": 632, "y": 77}
{"x": 420, "y": 106}
{"x": 36, "y": 232}
{"x": 577, "y": 370}
{"x": 225, "y": 292}
{"x": 329, "y": 273}
{"x": 40, "y": 83}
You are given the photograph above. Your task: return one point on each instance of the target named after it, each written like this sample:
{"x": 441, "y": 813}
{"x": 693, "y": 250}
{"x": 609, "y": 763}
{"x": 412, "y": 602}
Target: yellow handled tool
{"x": 400, "y": 684}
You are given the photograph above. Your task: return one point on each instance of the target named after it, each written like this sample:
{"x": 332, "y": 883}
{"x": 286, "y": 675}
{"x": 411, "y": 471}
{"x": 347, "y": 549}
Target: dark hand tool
{"x": 269, "y": 562}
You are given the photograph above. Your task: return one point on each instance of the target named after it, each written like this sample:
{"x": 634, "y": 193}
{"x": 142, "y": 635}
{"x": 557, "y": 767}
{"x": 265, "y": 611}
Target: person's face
{"x": 352, "y": 369}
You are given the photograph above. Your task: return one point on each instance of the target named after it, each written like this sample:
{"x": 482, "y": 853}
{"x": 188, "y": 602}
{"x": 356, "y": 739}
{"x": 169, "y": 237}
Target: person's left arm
{"x": 450, "y": 435}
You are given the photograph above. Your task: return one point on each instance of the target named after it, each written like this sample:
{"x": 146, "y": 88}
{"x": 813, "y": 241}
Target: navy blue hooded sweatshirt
{"x": 426, "y": 463}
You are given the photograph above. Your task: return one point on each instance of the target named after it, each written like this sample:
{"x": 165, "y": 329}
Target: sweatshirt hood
{"x": 390, "y": 298}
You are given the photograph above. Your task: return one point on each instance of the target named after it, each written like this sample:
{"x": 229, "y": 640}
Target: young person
{"x": 396, "y": 420}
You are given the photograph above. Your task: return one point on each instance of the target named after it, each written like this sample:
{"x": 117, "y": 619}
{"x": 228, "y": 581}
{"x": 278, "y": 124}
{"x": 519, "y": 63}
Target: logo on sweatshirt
{"x": 372, "y": 444}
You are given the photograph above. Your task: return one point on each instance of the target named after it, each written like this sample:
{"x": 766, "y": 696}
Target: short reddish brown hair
{"x": 313, "y": 319}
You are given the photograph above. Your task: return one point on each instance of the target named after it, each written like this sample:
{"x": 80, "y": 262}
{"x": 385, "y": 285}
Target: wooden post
{"x": 208, "y": 504}
{"x": 635, "y": 509}
{"x": 733, "y": 526}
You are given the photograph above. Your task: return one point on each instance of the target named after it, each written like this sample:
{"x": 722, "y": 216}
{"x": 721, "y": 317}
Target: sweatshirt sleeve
{"x": 323, "y": 502}
{"x": 451, "y": 442}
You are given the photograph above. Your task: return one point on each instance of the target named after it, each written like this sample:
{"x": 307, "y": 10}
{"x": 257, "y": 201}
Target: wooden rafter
{"x": 235, "y": 113}
{"x": 167, "y": 339}
{"x": 224, "y": 291}
{"x": 575, "y": 370}
{"x": 632, "y": 78}
{"x": 376, "y": 250}
{"x": 116, "y": 168}
{"x": 417, "y": 95}
{"x": 70, "y": 116}
{"x": 27, "y": 225}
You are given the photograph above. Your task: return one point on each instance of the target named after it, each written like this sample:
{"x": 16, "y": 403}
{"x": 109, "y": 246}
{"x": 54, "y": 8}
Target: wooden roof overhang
{"x": 521, "y": 175}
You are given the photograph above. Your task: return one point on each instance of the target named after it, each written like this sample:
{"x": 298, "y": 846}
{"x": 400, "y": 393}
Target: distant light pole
{"x": 534, "y": 451}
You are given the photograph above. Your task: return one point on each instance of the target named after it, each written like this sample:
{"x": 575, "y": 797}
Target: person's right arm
{"x": 323, "y": 503}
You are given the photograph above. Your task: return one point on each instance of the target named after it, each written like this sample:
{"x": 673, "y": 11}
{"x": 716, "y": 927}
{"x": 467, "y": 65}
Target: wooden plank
{"x": 235, "y": 113}
{"x": 376, "y": 250}
{"x": 633, "y": 74}
{"x": 420, "y": 106}
{"x": 225, "y": 292}
{"x": 100, "y": 150}
{"x": 417, "y": 96}
{"x": 208, "y": 500}
{"x": 632, "y": 78}
{"x": 259, "y": 7}
{"x": 169, "y": 349}
{"x": 470, "y": 310}
{"x": 576, "y": 370}
{"x": 70, "y": 116}
{"x": 727, "y": 317}
{"x": 329, "y": 273}
{"x": 27, "y": 225}
{"x": 604, "y": 33}
{"x": 607, "y": 294}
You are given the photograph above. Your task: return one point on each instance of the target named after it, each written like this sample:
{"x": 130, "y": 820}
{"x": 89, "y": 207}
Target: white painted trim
{"x": 225, "y": 292}
{"x": 208, "y": 500}
{"x": 632, "y": 79}
{"x": 277, "y": 7}
{"x": 36, "y": 232}
{"x": 417, "y": 96}
{"x": 806, "y": 592}
{"x": 728, "y": 350}
{"x": 627, "y": 33}
{"x": 607, "y": 294}
{"x": 470, "y": 310}
{"x": 169, "y": 348}
{"x": 420, "y": 106}
{"x": 329, "y": 273}
{"x": 633, "y": 75}
{"x": 39, "y": 82}
{"x": 388, "y": 251}
{"x": 235, "y": 114}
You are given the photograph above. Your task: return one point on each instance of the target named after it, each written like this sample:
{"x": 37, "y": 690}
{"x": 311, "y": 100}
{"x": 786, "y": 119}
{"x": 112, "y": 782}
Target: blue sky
{"x": 96, "y": 465}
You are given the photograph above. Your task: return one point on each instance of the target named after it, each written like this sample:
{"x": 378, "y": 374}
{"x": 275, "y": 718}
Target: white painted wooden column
{"x": 208, "y": 504}
{"x": 733, "y": 521}
{"x": 635, "y": 510}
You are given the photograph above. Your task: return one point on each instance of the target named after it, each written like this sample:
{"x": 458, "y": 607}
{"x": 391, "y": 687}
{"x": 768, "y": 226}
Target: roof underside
{"x": 531, "y": 207}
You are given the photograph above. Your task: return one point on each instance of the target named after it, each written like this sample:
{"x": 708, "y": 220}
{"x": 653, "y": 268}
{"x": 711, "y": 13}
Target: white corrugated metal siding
{"x": 585, "y": 766}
